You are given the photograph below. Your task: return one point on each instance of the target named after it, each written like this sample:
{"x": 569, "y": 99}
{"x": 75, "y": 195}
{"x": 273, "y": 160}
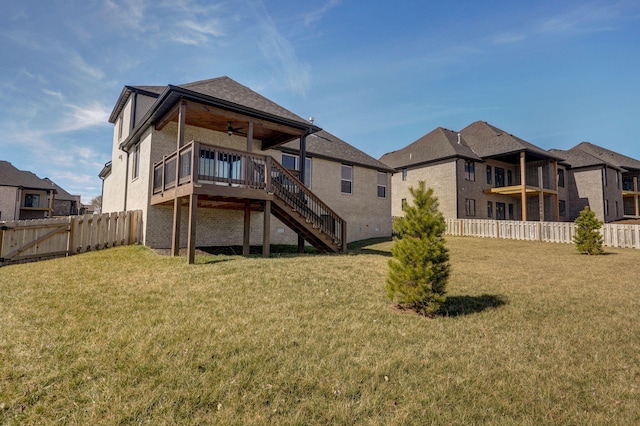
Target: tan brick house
{"x": 602, "y": 179}
{"x": 481, "y": 172}
{"x": 214, "y": 163}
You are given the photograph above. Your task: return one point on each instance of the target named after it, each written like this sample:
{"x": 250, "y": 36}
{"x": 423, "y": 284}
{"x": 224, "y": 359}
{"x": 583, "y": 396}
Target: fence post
{"x": 3, "y": 228}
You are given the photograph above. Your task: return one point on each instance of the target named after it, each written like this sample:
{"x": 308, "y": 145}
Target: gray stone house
{"x": 23, "y": 195}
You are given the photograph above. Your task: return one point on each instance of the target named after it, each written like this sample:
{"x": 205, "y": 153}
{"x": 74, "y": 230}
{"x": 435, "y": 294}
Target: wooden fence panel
{"x": 614, "y": 235}
{"x": 44, "y": 238}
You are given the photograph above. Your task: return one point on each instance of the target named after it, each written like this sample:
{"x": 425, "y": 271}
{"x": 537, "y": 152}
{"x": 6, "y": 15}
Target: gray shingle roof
{"x": 608, "y": 156}
{"x": 489, "y": 141}
{"x": 11, "y": 176}
{"x": 230, "y": 90}
{"x": 576, "y": 158}
{"x": 61, "y": 194}
{"x": 436, "y": 145}
{"x": 324, "y": 144}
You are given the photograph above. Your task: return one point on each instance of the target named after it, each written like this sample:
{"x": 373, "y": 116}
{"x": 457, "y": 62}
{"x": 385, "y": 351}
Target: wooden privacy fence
{"x": 24, "y": 240}
{"x": 614, "y": 235}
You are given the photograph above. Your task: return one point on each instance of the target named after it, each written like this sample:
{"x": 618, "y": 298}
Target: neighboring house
{"x": 481, "y": 172}
{"x": 24, "y": 195}
{"x": 208, "y": 164}
{"x": 64, "y": 203}
{"x": 603, "y": 180}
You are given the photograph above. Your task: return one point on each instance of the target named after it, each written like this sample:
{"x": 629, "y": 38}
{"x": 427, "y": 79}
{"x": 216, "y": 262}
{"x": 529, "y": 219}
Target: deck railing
{"x": 201, "y": 163}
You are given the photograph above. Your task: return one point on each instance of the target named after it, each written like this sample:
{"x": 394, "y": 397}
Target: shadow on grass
{"x": 274, "y": 249}
{"x": 466, "y": 305}
{"x": 362, "y": 246}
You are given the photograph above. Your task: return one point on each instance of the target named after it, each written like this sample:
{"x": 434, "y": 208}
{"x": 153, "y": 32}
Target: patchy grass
{"x": 535, "y": 334}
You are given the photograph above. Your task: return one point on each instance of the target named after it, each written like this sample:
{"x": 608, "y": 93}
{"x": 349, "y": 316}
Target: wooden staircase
{"x": 302, "y": 211}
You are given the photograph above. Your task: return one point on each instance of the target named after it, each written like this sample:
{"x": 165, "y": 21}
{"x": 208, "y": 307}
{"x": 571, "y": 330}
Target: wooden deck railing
{"x": 201, "y": 163}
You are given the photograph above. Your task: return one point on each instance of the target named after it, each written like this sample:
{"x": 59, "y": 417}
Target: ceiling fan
{"x": 234, "y": 130}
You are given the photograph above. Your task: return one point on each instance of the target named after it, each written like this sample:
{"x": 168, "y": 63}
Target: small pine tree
{"x": 419, "y": 269}
{"x": 588, "y": 239}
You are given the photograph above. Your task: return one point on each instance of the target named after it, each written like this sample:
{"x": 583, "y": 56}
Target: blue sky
{"x": 377, "y": 74}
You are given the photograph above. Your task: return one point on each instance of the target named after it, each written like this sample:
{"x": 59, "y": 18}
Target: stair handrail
{"x": 296, "y": 195}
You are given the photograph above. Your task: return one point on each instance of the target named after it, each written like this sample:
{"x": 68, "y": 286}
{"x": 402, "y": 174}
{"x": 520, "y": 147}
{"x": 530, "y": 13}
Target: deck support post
{"x": 175, "y": 234}
{"x": 523, "y": 183}
{"x": 247, "y": 229}
{"x": 266, "y": 234}
{"x": 302, "y": 167}
{"x": 191, "y": 241}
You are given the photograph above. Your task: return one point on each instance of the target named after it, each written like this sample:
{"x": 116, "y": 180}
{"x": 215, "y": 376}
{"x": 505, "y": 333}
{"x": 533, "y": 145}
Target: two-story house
{"x": 213, "y": 163}
{"x": 480, "y": 172}
{"x": 23, "y": 195}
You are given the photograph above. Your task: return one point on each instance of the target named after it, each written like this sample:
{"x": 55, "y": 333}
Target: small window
{"x": 382, "y": 185}
{"x": 604, "y": 176}
{"x": 561, "y": 178}
{"x": 499, "y": 177}
{"x": 469, "y": 170}
{"x": 32, "y": 200}
{"x": 606, "y": 208}
{"x": 489, "y": 175}
{"x": 346, "y": 179}
{"x": 120, "y": 125}
{"x": 404, "y": 204}
{"x": 489, "y": 209}
{"x": 135, "y": 171}
{"x": 617, "y": 211}
{"x": 511, "y": 214}
{"x": 404, "y": 174}
{"x": 617, "y": 180}
{"x": 470, "y": 207}
{"x": 562, "y": 208}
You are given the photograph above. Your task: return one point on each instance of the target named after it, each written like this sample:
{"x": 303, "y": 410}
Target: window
{"x": 135, "y": 171}
{"x": 617, "y": 211}
{"x": 382, "y": 185}
{"x": 500, "y": 211}
{"x": 292, "y": 163}
{"x": 511, "y": 216}
{"x": 561, "y": 178}
{"x": 404, "y": 204}
{"x": 489, "y": 175}
{"x": 470, "y": 207}
{"x": 562, "y": 208}
{"x": 499, "y": 177}
{"x": 490, "y": 209}
{"x": 617, "y": 180}
{"x": 120, "y": 125}
{"x": 404, "y": 174}
{"x": 346, "y": 179}
{"x": 509, "y": 178}
{"x": 32, "y": 200}
{"x": 606, "y": 208}
{"x": 469, "y": 170}
{"x": 604, "y": 176}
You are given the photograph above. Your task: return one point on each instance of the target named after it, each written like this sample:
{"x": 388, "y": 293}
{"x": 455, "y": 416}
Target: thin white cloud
{"x": 587, "y": 18}
{"x": 128, "y": 13}
{"x": 317, "y": 14}
{"x": 195, "y": 33}
{"x": 52, "y": 93}
{"x": 281, "y": 53}
{"x": 83, "y": 116}
{"x": 507, "y": 38}
{"x": 86, "y": 69}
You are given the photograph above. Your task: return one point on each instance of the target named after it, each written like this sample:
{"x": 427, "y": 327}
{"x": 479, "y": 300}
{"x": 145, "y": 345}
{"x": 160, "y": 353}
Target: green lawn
{"x": 535, "y": 334}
